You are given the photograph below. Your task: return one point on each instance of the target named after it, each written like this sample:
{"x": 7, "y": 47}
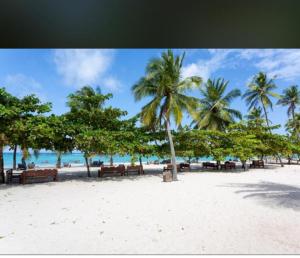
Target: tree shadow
{"x": 271, "y": 194}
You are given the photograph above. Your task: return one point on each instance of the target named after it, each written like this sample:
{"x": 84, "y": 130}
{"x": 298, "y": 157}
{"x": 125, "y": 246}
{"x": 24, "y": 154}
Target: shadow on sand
{"x": 270, "y": 194}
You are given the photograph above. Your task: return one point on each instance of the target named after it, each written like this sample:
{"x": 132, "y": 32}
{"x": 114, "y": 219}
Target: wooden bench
{"x": 139, "y": 169}
{"x": 10, "y": 176}
{"x": 180, "y": 167}
{"x": 257, "y": 164}
{"x": 209, "y": 165}
{"x": 38, "y": 174}
{"x": 228, "y": 165}
{"x": 111, "y": 170}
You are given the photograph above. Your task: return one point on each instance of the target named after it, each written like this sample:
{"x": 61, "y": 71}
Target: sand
{"x": 254, "y": 212}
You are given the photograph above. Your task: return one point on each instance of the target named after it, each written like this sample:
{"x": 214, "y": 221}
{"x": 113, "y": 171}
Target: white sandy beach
{"x": 253, "y": 212}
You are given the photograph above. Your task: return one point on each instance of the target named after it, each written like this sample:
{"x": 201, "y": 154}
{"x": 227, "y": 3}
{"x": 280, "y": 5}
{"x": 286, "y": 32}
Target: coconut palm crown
{"x": 290, "y": 98}
{"x": 260, "y": 92}
{"x": 214, "y": 111}
{"x": 164, "y": 84}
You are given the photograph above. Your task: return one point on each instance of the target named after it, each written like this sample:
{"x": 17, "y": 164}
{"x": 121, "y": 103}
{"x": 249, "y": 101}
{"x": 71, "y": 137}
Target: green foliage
{"x": 163, "y": 84}
{"x": 214, "y": 112}
{"x": 290, "y": 98}
{"x": 260, "y": 92}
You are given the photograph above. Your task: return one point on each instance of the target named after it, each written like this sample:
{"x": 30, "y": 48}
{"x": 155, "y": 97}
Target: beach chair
{"x": 111, "y": 170}
{"x": 136, "y": 169}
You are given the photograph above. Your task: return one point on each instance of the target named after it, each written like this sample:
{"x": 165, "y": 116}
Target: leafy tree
{"x": 60, "y": 136}
{"x": 30, "y": 114}
{"x": 8, "y": 111}
{"x": 243, "y": 144}
{"x": 214, "y": 110}
{"x": 92, "y": 122}
{"x": 164, "y": 85}
{"x": 140, "y": 143}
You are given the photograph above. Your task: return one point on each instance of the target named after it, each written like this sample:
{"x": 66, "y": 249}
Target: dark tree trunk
{"x": 244, "y": 164}
{"x": 111, "y": 160}
{"x": 58, "y": 162}
{"x": 23, "y": 159}
{"x": 189, "y": 160}
{"x": 218, "y": 164}
{"x": 262, "y": 157}
{"x": 15, "y": 157}
{"x": 87, "y": 166}
{"x": 140, "y": 159}
{"x": 2, "y": 176}
{"x": 174, "y": 174}
{"x": 293, "y": 113}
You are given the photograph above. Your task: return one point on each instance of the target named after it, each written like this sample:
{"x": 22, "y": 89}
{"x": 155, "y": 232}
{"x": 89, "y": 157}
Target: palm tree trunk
{"x": 15, "y": 157}
{"x": 58, "y": 162}
{"x": 140, "y": 158}
{"x": 266, "y": 116}
{"x": 111, "y": 160}
{"x": 293, "y": 114}
{"x": 24, "y": 154}
{"x": 267, "y": 121}
{"x": 87, "y": 166}
{"x": 174, "y": 174}
{"x": 2, "y": 177}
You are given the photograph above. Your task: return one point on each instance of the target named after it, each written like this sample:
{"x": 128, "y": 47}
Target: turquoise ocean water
{"x": 49, "y": 159}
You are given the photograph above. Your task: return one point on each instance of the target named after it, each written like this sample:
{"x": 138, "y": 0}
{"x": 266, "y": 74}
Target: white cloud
{"x": 206, "y": 67}
{"x": 282, "y": 63}
{"x": 112, "y": 83}
{"x": 80, "y": 67}
{"x": 21, "y": 85}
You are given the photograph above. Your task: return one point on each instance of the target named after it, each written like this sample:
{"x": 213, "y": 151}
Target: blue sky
{"x": 52, "y": 74}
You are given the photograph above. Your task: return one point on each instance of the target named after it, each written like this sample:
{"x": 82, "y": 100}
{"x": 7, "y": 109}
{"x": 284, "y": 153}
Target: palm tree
{"x": 293, "y": 125}
{"x": 259, "y": 93}
{"x": 214, "y": 110}
{"x": 290, "y": 98}
{"x": 163, "y": 83}
{"x": 254, "y": 114}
